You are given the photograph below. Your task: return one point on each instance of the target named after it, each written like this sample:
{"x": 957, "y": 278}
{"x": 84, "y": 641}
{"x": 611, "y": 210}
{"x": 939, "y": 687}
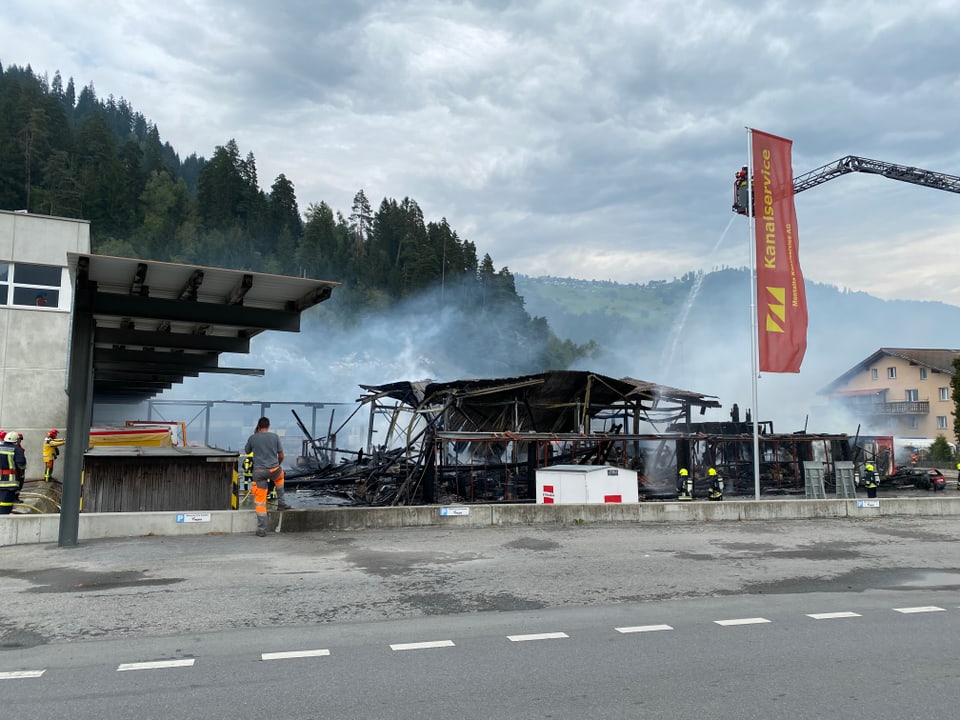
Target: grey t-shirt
{"x": 265, "y": 447}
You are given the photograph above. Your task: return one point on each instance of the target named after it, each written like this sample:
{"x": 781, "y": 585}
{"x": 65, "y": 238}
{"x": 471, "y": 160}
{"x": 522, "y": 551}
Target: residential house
{"x": 904, "y": 392}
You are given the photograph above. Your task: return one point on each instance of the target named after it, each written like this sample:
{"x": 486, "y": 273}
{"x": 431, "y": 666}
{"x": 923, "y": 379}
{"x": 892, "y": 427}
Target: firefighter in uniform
{"x": 12, "y": 462}
{"x": 247, "y": 472}
{"x": 684, "y": 485}
{"x": 958, "y": 476}
{"x": 715, "y": 491}
{"x": 870, "y": 481}
{"x": 51, "y": 451}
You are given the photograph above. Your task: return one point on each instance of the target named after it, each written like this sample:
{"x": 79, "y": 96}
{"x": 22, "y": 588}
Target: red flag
{"x": 781, "y": 298}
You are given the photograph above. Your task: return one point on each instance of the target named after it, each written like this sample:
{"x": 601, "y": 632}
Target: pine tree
{"x": 361, "y": 222}
{"x": 221, "y": 189}
{"x": 286, "y": 227}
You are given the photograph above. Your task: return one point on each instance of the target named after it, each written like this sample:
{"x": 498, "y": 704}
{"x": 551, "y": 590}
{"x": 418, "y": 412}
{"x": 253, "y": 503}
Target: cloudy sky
{"x": 592, "y": 140}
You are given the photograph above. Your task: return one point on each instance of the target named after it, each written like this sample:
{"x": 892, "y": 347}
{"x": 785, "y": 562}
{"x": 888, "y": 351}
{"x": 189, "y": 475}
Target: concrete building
{"x": 903, "y": 392}
{"x": 36, "y": 297}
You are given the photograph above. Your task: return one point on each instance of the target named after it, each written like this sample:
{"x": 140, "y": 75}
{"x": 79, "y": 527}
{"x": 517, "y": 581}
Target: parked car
{"x": 938, "y": 481}
{"x": 919, "y": 477}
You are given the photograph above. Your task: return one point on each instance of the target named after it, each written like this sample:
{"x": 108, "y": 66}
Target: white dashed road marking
{"x": 189, "y": 662}
{"x": 294, "y": 654}
{"x": 423, "y": 645}
{"x": 537, "y": 636}
{"x": 833, "y": 615}
{"x": 19, "y": 674}
{"x": 643, "y": 628}
{"x": 157, "y": 665}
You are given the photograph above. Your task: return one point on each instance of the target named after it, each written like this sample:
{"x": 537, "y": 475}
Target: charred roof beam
{"x": 133, "y": 376}
{"x": 190, "y": 288}
{"x": 153, "y": 339}
{"x": 142, "y": 386}
{"x": 137, "y": 287}
{"x": 255, "y": 372}
{"x": 105, "y": 356}
{"x": 171, "y": 310}
{"x": 312, "y": 298}
{"x": 151, "y": 369}
{"x": 240, "y": 290}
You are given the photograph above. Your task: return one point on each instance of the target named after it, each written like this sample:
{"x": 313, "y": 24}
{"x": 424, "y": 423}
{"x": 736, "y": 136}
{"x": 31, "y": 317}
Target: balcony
{"x": 907, "y": 407}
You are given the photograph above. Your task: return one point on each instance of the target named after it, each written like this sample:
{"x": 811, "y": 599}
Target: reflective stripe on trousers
{"x": 8, "y": 498}
{"x": 261, "y": 481}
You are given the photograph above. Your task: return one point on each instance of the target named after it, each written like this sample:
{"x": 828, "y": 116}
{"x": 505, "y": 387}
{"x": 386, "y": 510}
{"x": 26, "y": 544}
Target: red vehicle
{"x": 938, "y": 481}
{"x": 921, "y": 478}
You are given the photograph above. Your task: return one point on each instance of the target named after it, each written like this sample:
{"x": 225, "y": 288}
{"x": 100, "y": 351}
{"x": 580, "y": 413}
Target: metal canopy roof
{"x": 155, "y": 323}
{"x": 139, "y": 326}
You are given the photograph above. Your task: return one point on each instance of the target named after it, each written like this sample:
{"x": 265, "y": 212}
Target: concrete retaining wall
{"x": 27, "y": 529}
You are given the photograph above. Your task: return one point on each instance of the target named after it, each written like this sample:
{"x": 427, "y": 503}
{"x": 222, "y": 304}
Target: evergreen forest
{"x": 68, "y": 153}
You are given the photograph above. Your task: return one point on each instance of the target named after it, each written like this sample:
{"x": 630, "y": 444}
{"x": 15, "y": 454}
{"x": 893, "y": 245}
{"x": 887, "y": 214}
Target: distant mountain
{"x": 694, "y": 333}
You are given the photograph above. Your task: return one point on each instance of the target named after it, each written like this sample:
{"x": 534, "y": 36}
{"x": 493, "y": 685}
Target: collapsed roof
{"x": 550, "y": 402}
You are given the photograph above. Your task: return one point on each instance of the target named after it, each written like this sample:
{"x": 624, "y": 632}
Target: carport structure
{"x": 139, "y": 327}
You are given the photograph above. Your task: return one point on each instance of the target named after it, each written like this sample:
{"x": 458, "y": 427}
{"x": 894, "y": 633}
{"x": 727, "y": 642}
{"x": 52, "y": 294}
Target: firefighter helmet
{"x": 53, "y": 433}
{"x": 711, "y": 472}
{"x": 12, "y": 437}
{"x": 3, "y": 434}
{"x": 683, "y": 472}
{"x": 869, "y": 467}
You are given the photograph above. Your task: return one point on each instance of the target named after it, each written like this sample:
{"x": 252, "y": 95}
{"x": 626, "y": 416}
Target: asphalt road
{"x": 800, "y": 656}
{"x": 159, "y": 585}
{"x": 208, "y": 608}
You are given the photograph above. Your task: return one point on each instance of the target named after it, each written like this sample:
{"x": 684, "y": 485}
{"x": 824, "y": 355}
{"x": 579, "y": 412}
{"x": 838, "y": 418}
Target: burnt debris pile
{"x": 482, "y": 440}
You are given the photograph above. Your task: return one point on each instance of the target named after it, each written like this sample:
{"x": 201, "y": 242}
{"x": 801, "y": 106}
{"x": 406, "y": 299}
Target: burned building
{"x": 482, "y": 440}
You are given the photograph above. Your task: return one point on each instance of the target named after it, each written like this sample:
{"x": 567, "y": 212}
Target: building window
{"x": 913, "y": 423}
{"x": 923, "y": 373}
{"x": 874, "y": 374}
{"x": 913, "y": 395}
{"x": 944, "y": 393}
{"x": 941, "y": 422}
{"x": 892, "y": 373}
{"x": 28, "y": 285}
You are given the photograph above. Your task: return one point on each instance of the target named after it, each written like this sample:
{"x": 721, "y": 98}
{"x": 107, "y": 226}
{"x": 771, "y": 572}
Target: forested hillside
{"x": 69, "y": 153}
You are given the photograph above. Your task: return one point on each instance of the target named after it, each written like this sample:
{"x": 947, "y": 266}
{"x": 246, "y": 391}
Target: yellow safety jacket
{"x": 51, "y": 448}
{"x": 247, "y": 470}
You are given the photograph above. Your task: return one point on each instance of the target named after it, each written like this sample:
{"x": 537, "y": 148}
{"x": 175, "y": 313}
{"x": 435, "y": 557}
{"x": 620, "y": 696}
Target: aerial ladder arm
{"x": 851, "y": 163}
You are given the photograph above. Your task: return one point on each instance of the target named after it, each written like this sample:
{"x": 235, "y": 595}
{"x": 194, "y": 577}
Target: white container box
{"x": 586, "y": 484}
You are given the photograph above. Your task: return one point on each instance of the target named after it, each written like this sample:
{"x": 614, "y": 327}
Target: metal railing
{"x": 907, "y": 407}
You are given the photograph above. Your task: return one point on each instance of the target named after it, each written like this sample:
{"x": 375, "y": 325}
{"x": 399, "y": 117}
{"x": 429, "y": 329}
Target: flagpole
{"x": 754, "y": 324}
